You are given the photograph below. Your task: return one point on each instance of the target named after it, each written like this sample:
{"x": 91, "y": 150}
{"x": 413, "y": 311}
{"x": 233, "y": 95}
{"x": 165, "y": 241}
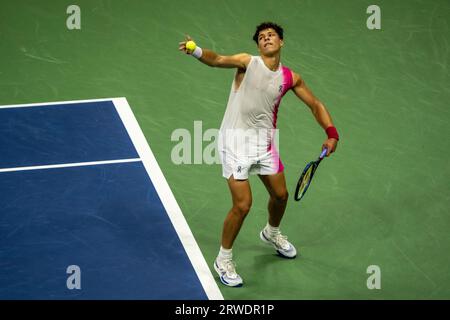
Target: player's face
{"x": 269, "y": 42}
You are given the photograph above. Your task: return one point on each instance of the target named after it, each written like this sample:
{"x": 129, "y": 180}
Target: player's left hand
{"x": 182, "y": 45}
{"x": 331, "y": 145}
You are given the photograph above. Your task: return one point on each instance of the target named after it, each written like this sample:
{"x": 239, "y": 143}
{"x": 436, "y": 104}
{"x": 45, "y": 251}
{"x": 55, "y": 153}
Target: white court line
{"x": 68, "y": 165}
{"x": 168, "y": 199}
{"x": 62, "y": 103}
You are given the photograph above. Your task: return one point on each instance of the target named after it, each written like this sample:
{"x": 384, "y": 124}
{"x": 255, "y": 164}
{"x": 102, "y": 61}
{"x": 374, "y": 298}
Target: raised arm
{"x": 213, "y": 59}
{"x": 319, "y": 111}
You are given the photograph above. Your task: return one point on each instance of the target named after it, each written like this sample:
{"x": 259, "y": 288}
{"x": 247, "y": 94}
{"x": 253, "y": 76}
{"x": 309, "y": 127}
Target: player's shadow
{"x": 265, "y": 257}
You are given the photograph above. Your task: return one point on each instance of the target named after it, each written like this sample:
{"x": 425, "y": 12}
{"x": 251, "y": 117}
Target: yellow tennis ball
{"x": 190, "y": 46}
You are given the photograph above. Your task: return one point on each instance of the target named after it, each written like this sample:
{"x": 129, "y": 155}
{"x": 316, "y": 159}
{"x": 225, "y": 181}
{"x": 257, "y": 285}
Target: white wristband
{"x": 197, "y": 53}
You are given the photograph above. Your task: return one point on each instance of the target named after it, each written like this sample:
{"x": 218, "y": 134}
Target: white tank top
{"x": 255, "y": 104}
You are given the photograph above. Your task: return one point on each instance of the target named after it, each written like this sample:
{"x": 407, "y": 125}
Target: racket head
{"x": 305, "y": 180}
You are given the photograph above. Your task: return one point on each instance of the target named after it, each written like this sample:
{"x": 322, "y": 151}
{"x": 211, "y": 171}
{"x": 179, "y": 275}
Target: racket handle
{"x": 324, "y": 152}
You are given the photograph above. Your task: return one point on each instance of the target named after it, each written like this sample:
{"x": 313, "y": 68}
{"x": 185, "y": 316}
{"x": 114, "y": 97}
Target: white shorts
{"x": 241, "y": 166}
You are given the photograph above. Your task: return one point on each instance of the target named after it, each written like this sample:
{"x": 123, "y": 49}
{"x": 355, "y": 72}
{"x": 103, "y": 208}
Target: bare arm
{"x": 213, "y": 59}
{"x": 319, "y": 111}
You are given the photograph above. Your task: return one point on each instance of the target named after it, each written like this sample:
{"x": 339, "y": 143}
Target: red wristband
{"x": 332, "y": 133}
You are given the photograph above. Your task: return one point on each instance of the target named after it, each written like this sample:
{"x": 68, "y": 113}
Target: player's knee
{"x": 282, "y": 196}
{"x": 243, "y": 208}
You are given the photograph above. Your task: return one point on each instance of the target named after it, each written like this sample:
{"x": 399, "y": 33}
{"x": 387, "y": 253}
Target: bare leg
{"x": 242, "y": 201}
{"x": 276, "y": 186}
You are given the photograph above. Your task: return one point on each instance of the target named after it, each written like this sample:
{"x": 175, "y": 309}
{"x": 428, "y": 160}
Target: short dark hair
{"x": 267, "y": 25}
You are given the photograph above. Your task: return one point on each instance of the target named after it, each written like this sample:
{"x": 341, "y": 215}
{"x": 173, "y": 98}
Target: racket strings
{"x": 306, "y": 178}
{"x": 304, "y": 181}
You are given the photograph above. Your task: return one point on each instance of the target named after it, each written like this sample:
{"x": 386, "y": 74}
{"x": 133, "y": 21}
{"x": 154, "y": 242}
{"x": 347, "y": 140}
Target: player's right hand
{"x": 331, "y": 145}
{"x": 182, "y": 45}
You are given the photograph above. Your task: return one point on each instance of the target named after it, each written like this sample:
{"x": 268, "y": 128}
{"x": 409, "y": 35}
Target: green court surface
{"x": 382, "y": 199}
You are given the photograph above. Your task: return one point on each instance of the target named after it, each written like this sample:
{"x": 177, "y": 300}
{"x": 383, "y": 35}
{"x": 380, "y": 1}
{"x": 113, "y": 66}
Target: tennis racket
{"x": 306, "y": 176}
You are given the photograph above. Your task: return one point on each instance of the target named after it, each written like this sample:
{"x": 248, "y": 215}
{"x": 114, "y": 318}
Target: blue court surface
{"x": 79, "y": 186}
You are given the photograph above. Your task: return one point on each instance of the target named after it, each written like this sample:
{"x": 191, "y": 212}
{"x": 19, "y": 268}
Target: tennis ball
{"x": 190, "y": 46}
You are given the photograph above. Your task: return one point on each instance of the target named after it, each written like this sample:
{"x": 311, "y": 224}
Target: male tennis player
{"x": 246, "y": 141}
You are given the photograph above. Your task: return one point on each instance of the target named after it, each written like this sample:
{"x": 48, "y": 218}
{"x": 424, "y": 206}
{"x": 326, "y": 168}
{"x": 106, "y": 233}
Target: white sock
{"x": 272, "y": 230}
{"x": 225, "y": 254}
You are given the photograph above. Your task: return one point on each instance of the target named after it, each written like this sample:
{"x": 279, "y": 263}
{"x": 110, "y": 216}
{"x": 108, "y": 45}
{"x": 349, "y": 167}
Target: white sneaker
{"x": 280, "y": 243}
{"x": 226, "y": 269}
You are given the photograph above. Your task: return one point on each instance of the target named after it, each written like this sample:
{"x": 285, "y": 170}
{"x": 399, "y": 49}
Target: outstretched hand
{"x": 182, "y": 45}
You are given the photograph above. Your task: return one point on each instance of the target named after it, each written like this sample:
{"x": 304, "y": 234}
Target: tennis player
{"x": 246, "y": 139}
